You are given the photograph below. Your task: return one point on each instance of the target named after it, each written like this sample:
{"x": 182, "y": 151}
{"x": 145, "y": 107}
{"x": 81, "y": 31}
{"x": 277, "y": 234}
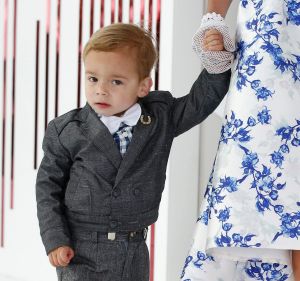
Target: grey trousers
{"x": 99, "y": 259}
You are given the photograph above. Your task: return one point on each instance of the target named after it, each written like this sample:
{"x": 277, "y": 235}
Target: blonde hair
{"x": 119, "y": 36}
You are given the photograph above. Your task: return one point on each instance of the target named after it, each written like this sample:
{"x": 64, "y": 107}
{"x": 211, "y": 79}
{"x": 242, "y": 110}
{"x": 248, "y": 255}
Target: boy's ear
{"x": 145, "y": 86}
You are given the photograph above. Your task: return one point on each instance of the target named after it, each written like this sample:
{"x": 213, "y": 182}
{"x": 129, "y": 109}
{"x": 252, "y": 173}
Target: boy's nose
{"x": 102, "y": 88}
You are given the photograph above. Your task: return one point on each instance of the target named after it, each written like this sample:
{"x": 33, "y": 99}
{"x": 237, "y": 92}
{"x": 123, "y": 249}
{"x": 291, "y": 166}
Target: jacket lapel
{"x": 139, "y": 139}
{"x": 100, "y": 136}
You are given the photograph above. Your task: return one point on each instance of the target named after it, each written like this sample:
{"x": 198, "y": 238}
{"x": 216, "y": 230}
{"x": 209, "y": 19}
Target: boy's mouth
{"x": 102, "y": 104}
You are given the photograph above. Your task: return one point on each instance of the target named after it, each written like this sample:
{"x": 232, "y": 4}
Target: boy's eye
{"x": 117, "y": 82}
{"x": 92, "y": 79}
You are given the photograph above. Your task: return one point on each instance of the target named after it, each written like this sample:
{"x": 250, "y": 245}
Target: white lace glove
{"x": 214, "y": 61}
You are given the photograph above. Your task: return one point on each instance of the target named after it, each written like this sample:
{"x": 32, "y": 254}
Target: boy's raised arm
{"x": 209, "y": 89}
{"x": 205, "y": 95}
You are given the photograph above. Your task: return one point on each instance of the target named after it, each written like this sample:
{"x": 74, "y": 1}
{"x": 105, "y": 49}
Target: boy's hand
{"x": 61, "y": 256}
{"x": 213, "y": 40}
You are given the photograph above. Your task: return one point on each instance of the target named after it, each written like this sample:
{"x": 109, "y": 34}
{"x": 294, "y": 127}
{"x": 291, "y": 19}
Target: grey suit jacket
{"x": 83, "y": 182}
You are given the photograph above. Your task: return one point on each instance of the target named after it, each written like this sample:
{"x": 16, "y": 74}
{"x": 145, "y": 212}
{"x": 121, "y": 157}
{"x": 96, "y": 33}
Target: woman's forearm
{"x": 218, "y": 6}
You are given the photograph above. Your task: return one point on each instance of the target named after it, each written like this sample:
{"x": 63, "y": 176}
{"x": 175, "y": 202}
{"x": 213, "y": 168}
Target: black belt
{"x": 130, "y": 235}
{"x": 120, "y": 235}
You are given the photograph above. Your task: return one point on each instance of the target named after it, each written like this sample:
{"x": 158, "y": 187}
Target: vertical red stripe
{"x": 120, "y": 12}
{"x": 131, "y": 12}
{"x": 92, "y": 17}
{"x": 150, "y": 15}
{"x": 102, "y": 14}
{"x": 152, "y": 248}
{"x": 157, "y": 41}
{"x": 13, "y": 109}
{"x": 37, "y": 54}
{"x": 48, "y": 13}
{"x": 112, "y": 17}
{"x": 57, "y": 58}
{"x": 142, "y": 13}
{"x": 79, "y": 53}
{"x": 4, "y": 121}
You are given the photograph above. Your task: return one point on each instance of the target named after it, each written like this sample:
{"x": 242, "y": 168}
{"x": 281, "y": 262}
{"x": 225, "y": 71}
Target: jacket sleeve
{"x": 205, "y": 95}
{"x": 52, "y": 178}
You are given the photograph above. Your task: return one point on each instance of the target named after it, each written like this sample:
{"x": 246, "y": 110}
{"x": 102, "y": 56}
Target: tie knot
{"x": 122, "y": 126}
{"x": 122, "y": 137}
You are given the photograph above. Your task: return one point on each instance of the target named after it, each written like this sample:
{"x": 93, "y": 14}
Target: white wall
{"x": 192, "y": 153}
{"x": 184, "y": 159}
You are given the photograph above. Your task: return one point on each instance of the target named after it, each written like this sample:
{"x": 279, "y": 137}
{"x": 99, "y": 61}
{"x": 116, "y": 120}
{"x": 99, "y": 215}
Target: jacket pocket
{"x": 78, "y": 193}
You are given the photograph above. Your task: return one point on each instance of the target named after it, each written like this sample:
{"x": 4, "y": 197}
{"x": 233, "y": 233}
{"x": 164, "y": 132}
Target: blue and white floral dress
{"x": 250, "y": 216}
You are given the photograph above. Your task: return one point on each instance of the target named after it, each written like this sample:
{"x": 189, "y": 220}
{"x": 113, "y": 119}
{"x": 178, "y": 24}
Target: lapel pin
{"x": 145, "y": 122}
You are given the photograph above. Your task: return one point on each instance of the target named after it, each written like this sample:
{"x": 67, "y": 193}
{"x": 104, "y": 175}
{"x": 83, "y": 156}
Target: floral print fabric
{"x": 252, "y": 201}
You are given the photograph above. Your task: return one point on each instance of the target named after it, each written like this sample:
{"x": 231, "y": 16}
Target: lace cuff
{"x": 214, "y": 61}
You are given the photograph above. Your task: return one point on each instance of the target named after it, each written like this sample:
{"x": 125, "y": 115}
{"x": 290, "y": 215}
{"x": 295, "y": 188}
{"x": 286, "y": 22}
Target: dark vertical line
{"x": 142, "y": 13}
{"x": 13, "y": 105}
{"x": 79, "y": 53}
{"x": 92, "y": 17}
{"x": 112, "y": 17}
{"x": 102, "y": 14}
{"x": 48, "y": 13}
{"x": 57, "y": 58}
{"x": 37, "y": 54}
{"x": 120, "y": 11}
{"x": 4, "y": 121}
{"x": 131, "y": 12}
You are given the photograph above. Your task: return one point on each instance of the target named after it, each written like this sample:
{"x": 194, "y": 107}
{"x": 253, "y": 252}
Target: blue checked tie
{"x": 122, "y": 137}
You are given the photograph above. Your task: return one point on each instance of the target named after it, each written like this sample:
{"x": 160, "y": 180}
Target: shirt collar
{"x": 130, "y": 118}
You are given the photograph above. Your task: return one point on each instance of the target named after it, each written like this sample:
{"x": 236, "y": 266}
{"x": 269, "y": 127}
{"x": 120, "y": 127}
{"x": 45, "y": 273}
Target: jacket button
{"x": 136, "y": 191}
{"x": 116, "y": 193}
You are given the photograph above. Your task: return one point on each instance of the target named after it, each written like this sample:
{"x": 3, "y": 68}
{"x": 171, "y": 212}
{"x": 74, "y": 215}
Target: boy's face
{"x": 112, "y": 83}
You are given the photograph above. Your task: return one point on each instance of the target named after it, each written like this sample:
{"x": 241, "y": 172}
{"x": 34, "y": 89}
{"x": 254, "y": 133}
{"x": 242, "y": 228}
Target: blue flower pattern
{"x": 266, "y": 271}
{"x": 267, "y": 183}
{"x": 264, "y": 26}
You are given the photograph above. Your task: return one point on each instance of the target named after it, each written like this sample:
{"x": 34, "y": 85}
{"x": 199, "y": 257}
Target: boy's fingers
{"x": 214, "y": 43}
{"x": 212, "y": 32}
{"x": 51, "y": 259}
{"x": 54, "y": 258}
{"x": 71, "y": 254}
{"x": 213, "y": 39}
{"x": 61, "y": 262}
{"x": 213, "y": 36}
{"x": 63, "y": 257}
{"x": 215, "y": 48}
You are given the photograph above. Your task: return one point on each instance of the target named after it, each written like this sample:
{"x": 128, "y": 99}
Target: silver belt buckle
{"x": 111, "y": 236}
